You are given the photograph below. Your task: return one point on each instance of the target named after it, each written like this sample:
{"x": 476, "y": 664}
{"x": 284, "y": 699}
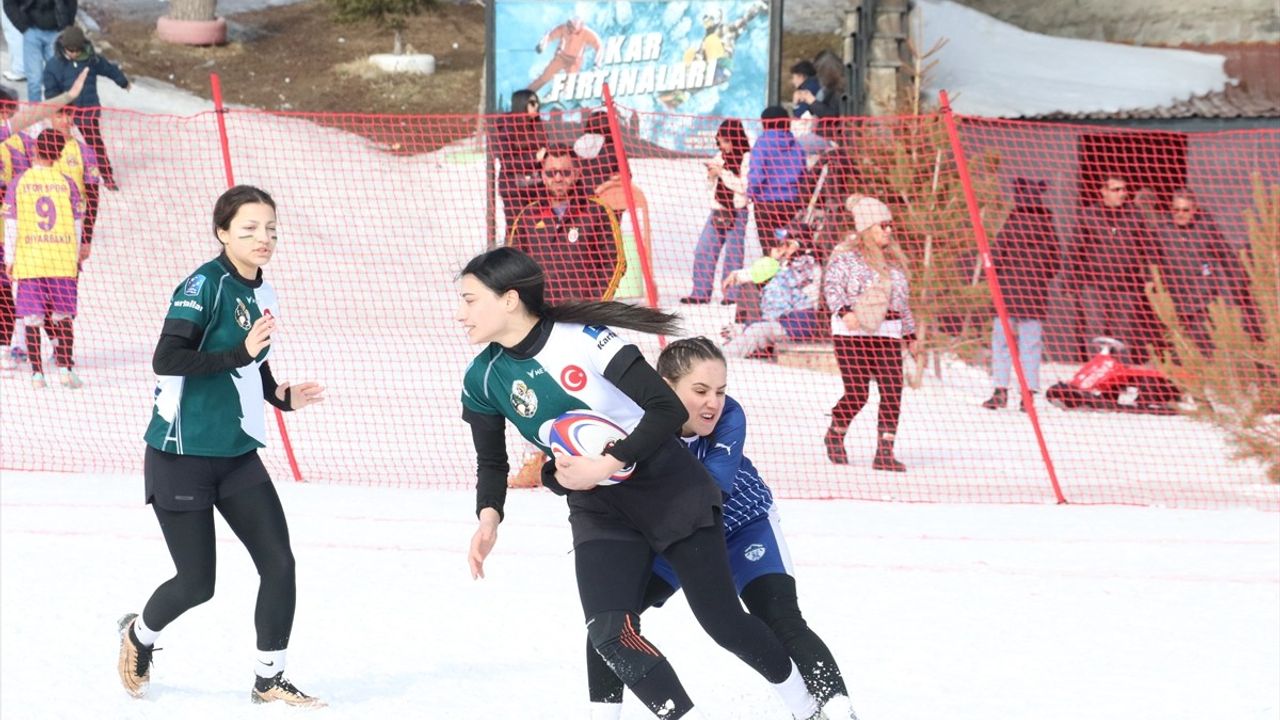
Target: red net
{"x": 378, "y": 214}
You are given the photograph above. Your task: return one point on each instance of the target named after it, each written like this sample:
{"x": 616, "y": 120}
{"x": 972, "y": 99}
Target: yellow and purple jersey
{"x": 80, "y": 163}
{"x": 44, "y": 206}
{"x": 15, "y": 154}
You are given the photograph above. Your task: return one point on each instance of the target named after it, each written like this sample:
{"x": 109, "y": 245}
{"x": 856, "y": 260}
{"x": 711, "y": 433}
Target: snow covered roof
{"x": 990, "y": 68}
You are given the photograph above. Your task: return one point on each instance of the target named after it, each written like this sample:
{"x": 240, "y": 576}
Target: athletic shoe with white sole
{"x": 275, "y": 688}
{"x": 69, "y": 379}
{"x": 135, "y": 658}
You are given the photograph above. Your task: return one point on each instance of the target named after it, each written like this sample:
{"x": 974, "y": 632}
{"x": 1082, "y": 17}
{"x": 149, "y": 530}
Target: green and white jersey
{"x": 566, "y": 374}
{"x": 219, "y": 415}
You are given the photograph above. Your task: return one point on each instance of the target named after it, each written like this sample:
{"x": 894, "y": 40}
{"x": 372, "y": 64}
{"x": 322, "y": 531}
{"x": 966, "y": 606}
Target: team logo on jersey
{"x": 524, "y": 399}
{"x": 573, "y": 378}
{"x": 194, "y": 283}
{"x": 242, "y": 315}
{"x": 754, "y": 552}
{"x": 573, "y": 235}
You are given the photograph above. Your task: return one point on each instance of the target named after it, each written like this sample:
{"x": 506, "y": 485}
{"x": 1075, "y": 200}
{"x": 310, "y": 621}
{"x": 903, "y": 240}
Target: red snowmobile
{"x": 1106, "y": 383}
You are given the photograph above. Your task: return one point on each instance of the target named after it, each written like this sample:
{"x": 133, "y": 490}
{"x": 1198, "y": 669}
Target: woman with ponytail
{"x": 716, "y": 434}
{"x": 539, "y": 361}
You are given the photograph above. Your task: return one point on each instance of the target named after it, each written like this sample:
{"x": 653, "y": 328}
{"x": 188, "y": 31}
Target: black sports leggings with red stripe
{"x": 612, "y": 577}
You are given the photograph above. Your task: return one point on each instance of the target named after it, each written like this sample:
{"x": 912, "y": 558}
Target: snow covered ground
{"x": 968, "y": 612}
{"x": 991, "y": 68}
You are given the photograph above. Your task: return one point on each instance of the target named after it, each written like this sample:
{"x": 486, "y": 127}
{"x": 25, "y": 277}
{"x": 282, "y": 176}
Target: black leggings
{"x": 612, "y": 577}
{"x": 862, "y": 359}
{"x": 90, "y": 124}
{"x": 702, "y": 564}
{"x": 772, "y": 598}
{"x": 256, "y": 517}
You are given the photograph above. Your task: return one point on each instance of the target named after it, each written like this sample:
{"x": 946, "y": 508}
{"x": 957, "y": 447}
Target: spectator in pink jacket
{"x": 866, "y": 289}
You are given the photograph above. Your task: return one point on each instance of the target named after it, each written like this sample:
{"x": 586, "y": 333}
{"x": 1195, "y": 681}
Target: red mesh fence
{"x": 378, "y": 214}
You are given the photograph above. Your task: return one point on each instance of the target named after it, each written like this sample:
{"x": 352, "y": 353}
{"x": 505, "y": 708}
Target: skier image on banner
{"x": 716, "y": 46}
{"x": 572, "y": 37}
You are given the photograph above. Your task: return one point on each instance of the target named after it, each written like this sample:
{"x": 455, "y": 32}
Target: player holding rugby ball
{"x": 541, "y": 361}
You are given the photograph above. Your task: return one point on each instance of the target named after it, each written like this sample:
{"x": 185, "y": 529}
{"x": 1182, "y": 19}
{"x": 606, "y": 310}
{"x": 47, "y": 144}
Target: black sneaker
{"x": 275, "y": 688}
{"x": 1023, "y": 405}
{"x": 884, "y": 459}
{"x": 834, "y": 442}
{"x": 999, "y": 399}
{"x": 135, "y": 658}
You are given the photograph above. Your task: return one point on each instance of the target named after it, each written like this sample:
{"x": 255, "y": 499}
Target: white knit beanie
{"x": 867, "y": 211}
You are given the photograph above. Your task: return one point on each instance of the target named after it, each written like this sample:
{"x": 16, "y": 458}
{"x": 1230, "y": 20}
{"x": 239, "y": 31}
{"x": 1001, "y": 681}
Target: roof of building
{"x": 990, "y": 68}
{"x": 1253, "y": 90}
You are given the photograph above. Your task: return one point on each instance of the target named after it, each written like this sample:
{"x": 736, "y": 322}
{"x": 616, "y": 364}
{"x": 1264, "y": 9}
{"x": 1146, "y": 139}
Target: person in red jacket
{"x": 572, "y": 235}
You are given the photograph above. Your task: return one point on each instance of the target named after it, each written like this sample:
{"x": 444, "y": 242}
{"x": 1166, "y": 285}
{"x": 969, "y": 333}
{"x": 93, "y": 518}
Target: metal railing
{"x": 859, "y": 26}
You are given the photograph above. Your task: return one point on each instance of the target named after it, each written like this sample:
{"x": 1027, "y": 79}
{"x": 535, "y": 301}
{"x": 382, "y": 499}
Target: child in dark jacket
{"x": 73, "y": 53}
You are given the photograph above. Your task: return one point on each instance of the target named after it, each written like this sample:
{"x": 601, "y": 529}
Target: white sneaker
{"x": 37, "y": 381}
{"x": 12, "y": 76}
{"x": 69, "y": 379}
{"x": 6, "y": 360}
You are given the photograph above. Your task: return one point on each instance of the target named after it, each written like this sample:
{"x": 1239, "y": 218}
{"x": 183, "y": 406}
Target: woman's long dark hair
{"x": 733, "y": 131}
{"x": 520, "y": 100}
{"x": 504, "y": 268}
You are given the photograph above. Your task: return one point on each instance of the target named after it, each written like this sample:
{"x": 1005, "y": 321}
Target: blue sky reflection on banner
{"x": 686, "y": 57}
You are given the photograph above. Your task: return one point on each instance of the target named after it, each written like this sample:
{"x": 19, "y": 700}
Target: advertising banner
{"x": 674, "y": 57}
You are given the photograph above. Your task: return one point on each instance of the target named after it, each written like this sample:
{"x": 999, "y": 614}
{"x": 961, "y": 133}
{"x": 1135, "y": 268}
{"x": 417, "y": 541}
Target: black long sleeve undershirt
{"x": 488, "y": 433}
{"x": 664, "y": 414}
{"x": 177, "y": 353}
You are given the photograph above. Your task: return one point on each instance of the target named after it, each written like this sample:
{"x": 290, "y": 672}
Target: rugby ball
{"x": 585, "y": 433}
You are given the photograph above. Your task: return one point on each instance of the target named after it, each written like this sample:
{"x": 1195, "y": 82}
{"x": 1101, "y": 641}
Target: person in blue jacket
{"x": 758, "y": 557}
{"x": 804, "y": 78}
{"x": 777, "y": 170}
{"x": 72, "y": 54}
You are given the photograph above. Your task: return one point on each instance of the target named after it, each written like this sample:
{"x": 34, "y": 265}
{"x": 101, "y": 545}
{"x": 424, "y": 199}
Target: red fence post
{"x": 216, "y": 84}
{"x": 984, "y": 249}
{"x": 646, "y": 269}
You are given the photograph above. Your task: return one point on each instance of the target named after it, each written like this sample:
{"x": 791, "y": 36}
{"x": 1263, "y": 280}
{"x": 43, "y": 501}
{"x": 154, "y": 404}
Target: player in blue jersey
{"x": 715, "y": 433}
{"x": 207, "y": 424}
{"x": 540, "y": 361}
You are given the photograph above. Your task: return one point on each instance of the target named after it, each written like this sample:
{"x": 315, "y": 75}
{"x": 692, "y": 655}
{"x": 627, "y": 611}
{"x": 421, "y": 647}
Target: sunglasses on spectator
{"x": 558, "y": 173}
{"x": 534, "y": 102}
{"x": 1183, "y": 209}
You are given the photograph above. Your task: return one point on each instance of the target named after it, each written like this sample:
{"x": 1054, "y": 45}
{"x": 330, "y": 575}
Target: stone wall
{"x": 814, "y": 15}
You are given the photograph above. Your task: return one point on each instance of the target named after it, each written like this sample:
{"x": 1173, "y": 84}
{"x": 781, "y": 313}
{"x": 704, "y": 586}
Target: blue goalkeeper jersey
{"x": 747, "y": 498}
